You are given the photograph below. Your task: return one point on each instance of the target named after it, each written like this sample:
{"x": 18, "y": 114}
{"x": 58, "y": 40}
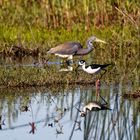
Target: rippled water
{"x": 50, "y": 113}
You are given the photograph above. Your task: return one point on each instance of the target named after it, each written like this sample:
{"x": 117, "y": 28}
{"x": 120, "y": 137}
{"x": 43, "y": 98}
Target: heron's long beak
{"x": 99, "y": 40}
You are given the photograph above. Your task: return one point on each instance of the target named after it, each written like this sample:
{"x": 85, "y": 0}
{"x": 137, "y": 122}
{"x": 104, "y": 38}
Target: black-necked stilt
{"x": 93, "y": 68}
{"x": 68, "y": 49}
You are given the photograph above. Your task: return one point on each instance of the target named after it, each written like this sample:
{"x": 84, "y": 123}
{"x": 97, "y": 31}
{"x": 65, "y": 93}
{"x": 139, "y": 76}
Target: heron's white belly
{"x": 64, "y": 56}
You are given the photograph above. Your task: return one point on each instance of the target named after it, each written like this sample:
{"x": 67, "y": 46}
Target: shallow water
{"x": 53, "y": 113}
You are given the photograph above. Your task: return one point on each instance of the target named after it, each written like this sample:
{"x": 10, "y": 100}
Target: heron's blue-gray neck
{"x": 86, "y": 50}
{"x": 89, "y": 44}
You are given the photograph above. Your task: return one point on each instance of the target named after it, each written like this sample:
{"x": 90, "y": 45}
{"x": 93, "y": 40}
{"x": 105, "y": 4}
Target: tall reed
{"x": 65, "y": 13}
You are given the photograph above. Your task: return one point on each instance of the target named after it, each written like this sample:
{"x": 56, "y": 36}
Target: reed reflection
{"x": 54, "y": 110}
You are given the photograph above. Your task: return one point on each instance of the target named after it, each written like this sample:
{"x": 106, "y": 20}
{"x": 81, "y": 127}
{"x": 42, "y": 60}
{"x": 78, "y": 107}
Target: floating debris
{"x": 50, "y": 125}
{"x": 24, "y": 108}
{"x": 65, "y": 109}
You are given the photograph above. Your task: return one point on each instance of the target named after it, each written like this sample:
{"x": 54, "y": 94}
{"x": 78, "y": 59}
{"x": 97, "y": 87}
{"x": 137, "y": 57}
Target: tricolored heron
{"x": 69, "y": 49}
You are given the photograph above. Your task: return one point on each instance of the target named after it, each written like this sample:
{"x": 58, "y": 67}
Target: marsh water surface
{"x": 50, "y": 113}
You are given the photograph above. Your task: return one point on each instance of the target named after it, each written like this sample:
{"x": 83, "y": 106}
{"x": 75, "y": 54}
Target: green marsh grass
{"x": 56, "y": 13}
{"x": 122, "y": 49}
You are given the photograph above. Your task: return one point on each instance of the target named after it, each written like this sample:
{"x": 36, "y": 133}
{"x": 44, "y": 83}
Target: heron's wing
{"x": 66, "y": 48}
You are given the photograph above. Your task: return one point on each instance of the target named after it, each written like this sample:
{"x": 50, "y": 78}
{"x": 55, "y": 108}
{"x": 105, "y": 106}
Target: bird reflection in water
{"x": 94, "y": 106}
{"x": 59, "y": 130}
{"x": 60, "y": 114}
{"x": 24, "y": 108}
{"x": 78, "y": 125}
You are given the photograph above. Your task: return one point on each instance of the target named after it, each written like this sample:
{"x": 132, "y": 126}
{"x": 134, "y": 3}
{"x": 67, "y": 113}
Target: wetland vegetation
{"x": 37, "y": 97}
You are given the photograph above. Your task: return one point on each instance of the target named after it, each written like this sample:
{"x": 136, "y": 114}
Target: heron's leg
{"x": 64, "y": 61}
{"x": 69, "y": 60}
{"x": 60, "y": 60}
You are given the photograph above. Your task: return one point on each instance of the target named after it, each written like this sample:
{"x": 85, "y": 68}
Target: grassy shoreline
{"x": 47, "y": 76}
{"x": 122, "y": 49}
{"x": 44, "y": 39}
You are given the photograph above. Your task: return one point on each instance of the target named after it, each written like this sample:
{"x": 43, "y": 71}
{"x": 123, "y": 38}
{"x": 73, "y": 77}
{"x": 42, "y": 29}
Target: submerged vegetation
{"x": 31, "y": 27}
